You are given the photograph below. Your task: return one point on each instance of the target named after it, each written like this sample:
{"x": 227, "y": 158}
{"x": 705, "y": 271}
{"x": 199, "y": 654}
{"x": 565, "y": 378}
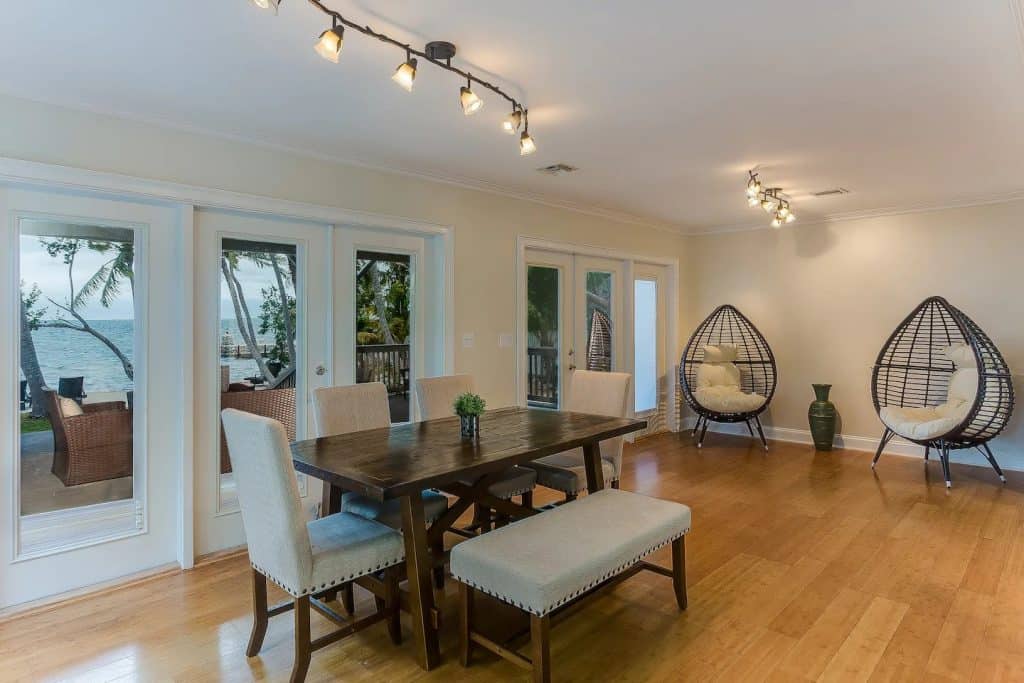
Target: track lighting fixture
{"x": 405, "y": 74}
{"x": 771, "y": 199}
{"x": 267, "y": 4}
{"x": 471, "y": 104}
{"x": 439, "y": 53}
{"x": 512, "y": 122}
{"x": 328, "y": 45}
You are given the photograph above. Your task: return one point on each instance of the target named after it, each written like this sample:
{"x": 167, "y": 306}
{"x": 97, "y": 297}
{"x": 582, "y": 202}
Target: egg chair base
{"x": 700, "y": 429}
{"x": 943, "y": 448}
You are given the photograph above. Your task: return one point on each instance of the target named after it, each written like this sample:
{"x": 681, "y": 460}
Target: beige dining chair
{"x": 597, "y": 393}
{"x": 436, "y": 397}
{"x": 306, "y": 559}
{"x": 355, "y": 408}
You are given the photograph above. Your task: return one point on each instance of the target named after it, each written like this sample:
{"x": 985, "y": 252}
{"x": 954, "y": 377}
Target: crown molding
{"x": 966, "y": 201}
{"x": 337, "y": 160}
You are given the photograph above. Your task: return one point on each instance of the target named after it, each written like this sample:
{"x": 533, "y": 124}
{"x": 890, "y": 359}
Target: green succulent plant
{"x": 469, "y": 404}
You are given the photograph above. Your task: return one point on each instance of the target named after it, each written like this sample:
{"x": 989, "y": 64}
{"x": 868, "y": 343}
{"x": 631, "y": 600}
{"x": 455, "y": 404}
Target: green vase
{"x": 822, "y": 416}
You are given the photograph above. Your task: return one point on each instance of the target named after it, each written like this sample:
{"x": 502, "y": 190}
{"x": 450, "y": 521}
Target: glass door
{"x": 597, "y": 314}
{"x": 548, "y": 335}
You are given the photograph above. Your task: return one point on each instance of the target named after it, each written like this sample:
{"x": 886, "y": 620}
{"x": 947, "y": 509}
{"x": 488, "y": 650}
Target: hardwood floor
{"x": 802, "y": 566}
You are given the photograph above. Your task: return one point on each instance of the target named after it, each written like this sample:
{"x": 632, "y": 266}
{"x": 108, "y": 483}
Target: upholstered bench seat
{"x": 544, "y": 561}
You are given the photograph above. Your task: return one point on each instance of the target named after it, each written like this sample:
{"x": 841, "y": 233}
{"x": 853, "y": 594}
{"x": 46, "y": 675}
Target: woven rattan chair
{"x": 727, "y": 373}
{"x": 941, "y": 383}
{"x": 277, "y": 404}
{"x": 91, "y": 442}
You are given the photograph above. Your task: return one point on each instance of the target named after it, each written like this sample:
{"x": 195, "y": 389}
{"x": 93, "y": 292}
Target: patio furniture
{"x": 277, "y": 404}
{"x": 436, "y": 397}
{"x": 23, "y": 399}
{"x": 941, "y": 383}
{"x": 407, "y": 459}
{"x": 91, "y": 442}
{"x": 306, "y": 559}
{"x": 72, "y": 387}
{"x": 595, "y": 393}
{"x": 546, "y": 564}
{"x": 727, "y": 373}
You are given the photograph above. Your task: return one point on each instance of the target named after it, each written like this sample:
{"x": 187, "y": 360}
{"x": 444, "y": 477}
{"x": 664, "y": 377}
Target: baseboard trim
{"x": 897, "y": 446}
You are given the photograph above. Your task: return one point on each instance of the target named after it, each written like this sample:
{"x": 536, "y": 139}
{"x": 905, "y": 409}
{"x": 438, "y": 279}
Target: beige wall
{"x": 486, "y": 224}
{"x": 828, "y": 295}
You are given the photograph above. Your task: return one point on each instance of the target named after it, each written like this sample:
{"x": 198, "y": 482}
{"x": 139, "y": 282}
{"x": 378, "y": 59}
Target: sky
{"x": 50, "y": 275}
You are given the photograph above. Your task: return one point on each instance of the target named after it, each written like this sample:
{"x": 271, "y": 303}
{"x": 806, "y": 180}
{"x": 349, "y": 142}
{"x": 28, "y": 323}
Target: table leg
{"x": 330, "y": 502}
{"x": 418, "y": 570}
{"x": 594, "y": 466}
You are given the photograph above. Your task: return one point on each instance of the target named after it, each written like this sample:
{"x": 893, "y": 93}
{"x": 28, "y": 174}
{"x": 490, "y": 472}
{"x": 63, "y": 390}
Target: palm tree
{"x": 29, "y": 360}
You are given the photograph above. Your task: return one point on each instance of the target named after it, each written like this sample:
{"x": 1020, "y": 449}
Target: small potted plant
{"x": 469, "y": 408}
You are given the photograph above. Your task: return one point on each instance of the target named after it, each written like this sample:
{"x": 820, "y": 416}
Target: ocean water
{"x": 68, "y": 353}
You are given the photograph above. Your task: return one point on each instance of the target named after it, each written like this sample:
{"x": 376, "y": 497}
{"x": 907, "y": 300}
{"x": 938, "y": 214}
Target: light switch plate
{"x": 468, "y": 340}
{"x": 505, "y": 340}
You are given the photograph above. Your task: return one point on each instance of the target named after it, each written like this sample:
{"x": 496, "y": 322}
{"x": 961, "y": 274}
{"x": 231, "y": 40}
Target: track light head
{"x": 753, "y": 185}
{"x": 471, "y": 104}
{"x": 777, "y": 221}
{"x": 267, "y": 4}
{"x": 328, "y": 45}
{"x": 790, "y": 217}
{"x": 768, "y": 204}
{"x": 512, "y": 122}
{"x": 526, "y": 144}
{"x": 405, "y": 74}
{"x": 753, "y": 201}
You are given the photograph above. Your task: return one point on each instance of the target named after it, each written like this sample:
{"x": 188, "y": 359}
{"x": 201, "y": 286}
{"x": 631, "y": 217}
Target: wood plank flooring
{"x": 801, "y": 567}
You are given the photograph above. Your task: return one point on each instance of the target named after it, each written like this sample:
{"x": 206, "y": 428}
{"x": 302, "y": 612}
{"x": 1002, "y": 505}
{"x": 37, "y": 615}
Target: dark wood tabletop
{"x": 405, "y": 459}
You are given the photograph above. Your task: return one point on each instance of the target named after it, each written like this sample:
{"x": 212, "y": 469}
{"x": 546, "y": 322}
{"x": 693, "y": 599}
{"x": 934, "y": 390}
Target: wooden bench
{"x": 545, "y": 563}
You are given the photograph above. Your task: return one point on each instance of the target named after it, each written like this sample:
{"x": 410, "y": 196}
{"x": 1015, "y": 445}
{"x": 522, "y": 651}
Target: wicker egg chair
{"x": 941, "y": 383}
{"x": 735, "y": 387}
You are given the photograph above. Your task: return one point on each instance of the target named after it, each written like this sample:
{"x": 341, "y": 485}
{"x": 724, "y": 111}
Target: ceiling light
{"x": 471, "y": 104}
{"x": 526, "y": 144}
{"x": 512, "y": 122}
{"x": 405, "y": 74}
{"x": 328, "y": 45}
{"x": 753, "y": 201}
{"x": 768, "y": 203}
{"x": 784, "y": 209}
{"x": 790, "y": 217}
{"x": 753, "y": 185}
{"x": 777, "y": 221}
{"x": 267, "y": 4}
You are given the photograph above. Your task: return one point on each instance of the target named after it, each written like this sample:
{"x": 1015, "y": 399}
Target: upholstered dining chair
{"x": 436, "y": 397}
{"x": 597, "y": 393}
{"x": 306, "y": 559}
{"x": 354, "y": 408}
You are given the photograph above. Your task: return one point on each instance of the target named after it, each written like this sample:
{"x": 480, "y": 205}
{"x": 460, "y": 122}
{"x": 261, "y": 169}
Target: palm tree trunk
{"x": 381, "y": 305}
{"x": 243, "y": 318}
{"x": 30, "y": 366}
{"x": 286, "y": 313}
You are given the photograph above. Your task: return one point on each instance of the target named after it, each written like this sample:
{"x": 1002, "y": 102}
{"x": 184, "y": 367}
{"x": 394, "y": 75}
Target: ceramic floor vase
{"x": 822, "y": 417}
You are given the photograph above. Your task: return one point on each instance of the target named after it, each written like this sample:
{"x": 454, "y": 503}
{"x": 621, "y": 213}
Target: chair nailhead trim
{"x": 313, "y": 589}
{"x": 555, "y": 605}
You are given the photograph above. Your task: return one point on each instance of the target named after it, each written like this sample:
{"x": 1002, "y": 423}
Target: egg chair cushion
{"x": 718, "y": 389}
{"x": 923, "y": 424}
{"x": 720, "y": 353}
{"x": 961, "y": 356}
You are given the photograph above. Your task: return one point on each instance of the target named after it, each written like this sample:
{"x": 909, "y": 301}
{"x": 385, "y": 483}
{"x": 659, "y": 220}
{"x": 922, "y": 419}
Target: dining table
{"x": 403, "y": 461}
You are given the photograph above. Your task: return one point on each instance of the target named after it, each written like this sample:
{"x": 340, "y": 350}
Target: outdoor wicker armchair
{"x": 92, "y": 442}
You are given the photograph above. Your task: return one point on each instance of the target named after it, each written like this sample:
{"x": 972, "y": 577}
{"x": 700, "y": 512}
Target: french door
{"x": 91, "y": 468}
{"x": 574, "y": 309}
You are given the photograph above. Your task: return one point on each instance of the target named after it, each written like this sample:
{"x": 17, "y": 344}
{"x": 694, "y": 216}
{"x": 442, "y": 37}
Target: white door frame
{"x": 672, "y": 290}
{"x": 18, "y": 173}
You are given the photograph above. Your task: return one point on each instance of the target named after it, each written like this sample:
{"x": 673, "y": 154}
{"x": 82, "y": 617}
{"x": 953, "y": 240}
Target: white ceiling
{"x": 663, "y": 105}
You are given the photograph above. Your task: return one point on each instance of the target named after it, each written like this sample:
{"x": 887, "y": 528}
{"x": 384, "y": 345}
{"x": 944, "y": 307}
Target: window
{"x": 77, "y": 343}
{"x": 599, "y": 321}
{"x": 645, "y": 344}
{"x": 542, "y": 340}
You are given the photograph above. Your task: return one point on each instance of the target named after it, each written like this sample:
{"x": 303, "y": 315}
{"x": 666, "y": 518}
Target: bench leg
{"x": 540, "y": 647}
{"x": 679, "y": 571}
{"x": 465, "y": 622}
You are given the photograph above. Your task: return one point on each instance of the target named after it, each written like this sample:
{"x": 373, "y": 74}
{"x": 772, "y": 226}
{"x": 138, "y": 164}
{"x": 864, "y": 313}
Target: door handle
{"x": 320, "y": 370}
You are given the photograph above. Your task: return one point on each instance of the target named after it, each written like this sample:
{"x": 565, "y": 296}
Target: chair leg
{"x": 882, "y": 443}
{"x": 527, "y": 499}
{"x": 679, "y": 571}
{"x": 259, "y": 614}
{"x": 437, "y": 550}
{"x": 303, "y": 651}
{"x": 987, "y": 452}
{"x": 615, "y": 483}
{"x": 696, "y": 426}
{"x": 481, "y": 519}
{"x": 703, "y": 432}
{"x": 393, "y": 603}
{"x": 749, "y": 428}
{"x": 348, "y": 600}
{"x": 540, "y": 648}
{"x": 465, "y": 622}
{"x": 927, "y": 451}
{"x": 760, "y": 432}
{"x": 944, "y": 454}
{"x": 570, "y": 497}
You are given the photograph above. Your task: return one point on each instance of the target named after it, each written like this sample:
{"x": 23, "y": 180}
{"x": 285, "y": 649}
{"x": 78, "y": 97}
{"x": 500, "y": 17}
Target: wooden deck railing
{"x": 387, "y": 363}
{"x": 542, "y": 376}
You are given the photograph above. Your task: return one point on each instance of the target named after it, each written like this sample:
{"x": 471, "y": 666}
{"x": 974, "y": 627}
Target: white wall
{"x": 828, "y": 295}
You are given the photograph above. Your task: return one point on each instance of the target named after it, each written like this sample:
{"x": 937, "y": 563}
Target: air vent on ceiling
{"x": 557, "y": 169}
{"x": 831, "y": 193}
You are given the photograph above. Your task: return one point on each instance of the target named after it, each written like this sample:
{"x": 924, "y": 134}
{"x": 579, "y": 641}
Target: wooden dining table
{"x": 403, "y": 461}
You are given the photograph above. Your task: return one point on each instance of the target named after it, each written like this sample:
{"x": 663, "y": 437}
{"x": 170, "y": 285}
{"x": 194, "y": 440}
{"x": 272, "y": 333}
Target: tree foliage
{"x": 382, "y": 302}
